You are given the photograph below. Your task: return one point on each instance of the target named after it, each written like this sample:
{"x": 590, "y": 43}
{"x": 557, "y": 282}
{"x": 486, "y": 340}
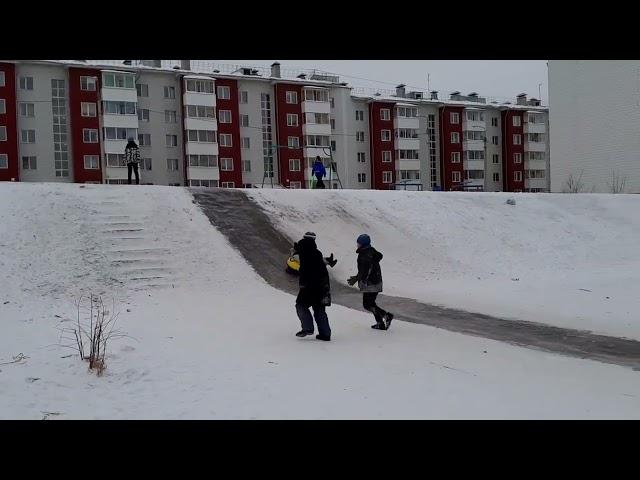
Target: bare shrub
{"x": 618, "y": 182}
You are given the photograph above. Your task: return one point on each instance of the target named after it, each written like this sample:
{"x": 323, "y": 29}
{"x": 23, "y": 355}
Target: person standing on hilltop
{"x": 132, "y": 157}
{"x": 319, "y": 172}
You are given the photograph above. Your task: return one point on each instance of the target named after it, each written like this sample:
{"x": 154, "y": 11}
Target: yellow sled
{"x": 293, "y": 264}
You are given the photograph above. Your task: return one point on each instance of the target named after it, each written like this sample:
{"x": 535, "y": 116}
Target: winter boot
{"x": 387, "y": 318}
{"x": 304, "y": 333}
{"x": 379, "y": 326}
{"x": 323, "y": 337}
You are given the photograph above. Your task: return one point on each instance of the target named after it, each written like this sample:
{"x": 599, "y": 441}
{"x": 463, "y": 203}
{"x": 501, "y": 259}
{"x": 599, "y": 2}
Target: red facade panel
{"x": 512, "y": 152}
{"x": 378, "y": 146}
{"x": 9, "y": 120}
{"x": 451, "y": 152}
{"x": 284, "y": 131}
{"x": 233, "y": 129}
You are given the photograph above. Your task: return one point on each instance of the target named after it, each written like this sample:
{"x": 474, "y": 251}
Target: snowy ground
{"x": 212, "y": 340}
{"x": 565, "y": 260}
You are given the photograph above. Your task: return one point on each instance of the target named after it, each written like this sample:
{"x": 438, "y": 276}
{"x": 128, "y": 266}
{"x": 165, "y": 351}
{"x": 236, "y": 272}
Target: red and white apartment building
{"x": 197, "y": 125}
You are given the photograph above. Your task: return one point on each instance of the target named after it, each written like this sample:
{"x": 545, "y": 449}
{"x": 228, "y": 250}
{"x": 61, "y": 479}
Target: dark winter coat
{"x": 315, "y": 288}
{"x": 132, "y": 153}
{"x": 318, "y": 170}
{"x": 369, "y": 271}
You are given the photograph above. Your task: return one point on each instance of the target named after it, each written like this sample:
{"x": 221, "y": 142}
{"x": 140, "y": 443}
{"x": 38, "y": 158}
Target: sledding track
{"x": 249, "y": 230}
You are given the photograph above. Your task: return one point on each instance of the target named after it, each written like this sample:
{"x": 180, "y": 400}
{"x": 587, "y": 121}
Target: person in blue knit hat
{"x": 369, "y": 279}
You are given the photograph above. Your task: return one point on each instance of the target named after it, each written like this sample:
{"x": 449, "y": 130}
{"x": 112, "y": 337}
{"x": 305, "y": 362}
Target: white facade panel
{"x": 473, "y": 125}
{"x": 313, "y": 152}
{"x": 119, "y": 94}
{"x": 535, "y": 128}
{"x": 200, "y": 124}
{"x": 407, "y": 164}
{"x": 407, "y": 144}
{"x": 114, "y": 146}
{"x": 473, "y": 145}
{"x": 316, "y": 129}
{"x": 204, "y": 173}
{"x": 122, "y": 121}
{"x": 196, "y": 148}
{"x": 316, "y": 107}
{"x": 204, "y": 99}
{"x": 406, "y": 122}
{"x": 535, "y": 147}
{"x": 474, "y": 165}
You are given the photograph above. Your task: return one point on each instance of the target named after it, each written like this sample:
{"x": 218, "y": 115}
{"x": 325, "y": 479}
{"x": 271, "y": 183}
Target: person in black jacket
{"x": 132, "y": 156}
{"x": 369, "y": 279}
{"x": 315, "y": 289}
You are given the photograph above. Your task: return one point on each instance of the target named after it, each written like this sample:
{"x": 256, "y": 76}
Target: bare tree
{"x": 618, "y": 182}
{"x": 573, "y": 185}
{"x": 94, "y": 327}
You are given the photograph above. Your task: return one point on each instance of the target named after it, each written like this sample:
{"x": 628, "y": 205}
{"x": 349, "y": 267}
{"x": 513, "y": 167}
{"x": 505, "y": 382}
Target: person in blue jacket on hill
{"x": 319, "y": 172}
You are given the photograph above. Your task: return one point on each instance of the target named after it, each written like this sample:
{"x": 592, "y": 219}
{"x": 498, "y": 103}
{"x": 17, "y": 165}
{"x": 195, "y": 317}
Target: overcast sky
{"x": 503, "y": 79}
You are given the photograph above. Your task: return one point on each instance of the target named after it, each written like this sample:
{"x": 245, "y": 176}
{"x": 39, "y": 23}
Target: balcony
{"x": 535, "y": 128}
{"x": 535, "y": 164}
{"x": 114, "y": 146}
{"x": 474, "y": 164}
{"x": 312, "y": 106}
{"x": 203, "y": 173}
{"x": 316, "y": 129}
{"x": 407, "y": 143}
{"x": 193, "y": 123}
{"x": 118, "y": 94}
{"x": 473, "y": 145}
{"x": 122, "y": 121}
{"x": 407, "y": 164}
{"x": 203, "y": 99}
{"x": 201, "y": 148}
{"x": 535, "y": 146}
{"x": 121, "y": 173}
{"x": 313, "y": 152}
{"x": 478, "y": 125}
{"x": 535, "y": 183}
{"x": 406, "y": 122}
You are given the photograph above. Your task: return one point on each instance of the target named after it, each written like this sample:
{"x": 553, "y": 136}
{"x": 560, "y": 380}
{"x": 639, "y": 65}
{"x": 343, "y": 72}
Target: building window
{"x": 59, "y": 117}
{"x": 88, "y": 109}
{"x": 517, "y": 139}
{"x": 293, "y": 142}
{"x": 172, "y": 164}
{"x": 26, "y": 109}
{"x": 2, "y": 81}
{"x": 199, "y": 111}
{"x": 361, "y": 157}
{"x": 494, "y": 121}
{"x": 200, "y": 183}
{"x": 386, "y": 156}
{"x": 89, "y": 135}
{"x": 454, "y": 118}
{"x": 360, "y": 136}
{"x": 455, "y": 177}
{"x": 145, "y": 164}
{"x": 116, "y": 160}
{"x": 4, "y": 159}
{"x": 199, "y": 86}
{"x": 295, "y": 185}
{"x": 494, "y": 140}
{"x": 3, "y": 105}
{"x": 143, "y": 114}
{"x": 226, "y": 140}
{"x": 28, "y": 136}
{"x": 385, "y": 135}
{"x": 455, "y": 137}
{"x": 517, "y": 158}
{"x": 244, "y": 96}
{"x": 292, "y": 120}
{"x": 224, "y": 92}
{"x": 169, "y": 92}
{"x": 333, "y": 124}
{"x": 496, "y": 177}
{"x": 332, "y": 102}
{"x": 474, "y": 154}
{"x": 228, "y": 185}
{"x": 118, "y": 80}
{"x": 119, "y": 108}
{"x": 224, "y": 116}
{"x": 292, "y": 97}
{"x": 316, "y": 95}
{"x": 26, "y": 83}
{"x": 88, "y": 84}
{"x": 517, "y": 176}
{"x": 362, "y": 178}
{"x": 170, "y": 116}
{"x": 29, "y": 163}
{"x": 536, "y": 137}
{"x": 333, "y": 145}
{"x": 455, "y": 157}
{"x": 226, "y": 164}
{"x": 244, "y": 120}
{"x": 245, "y": 142}
{"x": 144, "y": 139}
{"x": 206, "y": 161}
{"x": 385, "y": 114}
{"x": 537, "y": 155}
{"x": 91, "y": 162}
{"x": 171, "y": 140}
{"x": 201, "y": 136}
{"x": 496, "y": 158}
{"x": 316, "y": 141}
{"x": 387, "y": 177}
{"x": 3, "y": 134}
{"x": 359, "y": 115}
{"x": 517, "y": 121}
{"x": 142, "y": 89}
{"x": 246, "y": 165}
{"x": 475, "y": 115}
{"x": 294, "y": 165}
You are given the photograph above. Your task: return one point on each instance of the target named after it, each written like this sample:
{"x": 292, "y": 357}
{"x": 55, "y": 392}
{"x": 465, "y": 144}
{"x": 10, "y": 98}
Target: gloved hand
{"x": 331, "y": 261}
{"x": 352, "y": 280}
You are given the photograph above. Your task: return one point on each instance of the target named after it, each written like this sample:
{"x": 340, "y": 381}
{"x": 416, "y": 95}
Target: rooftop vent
{"x": 400, "y": 91}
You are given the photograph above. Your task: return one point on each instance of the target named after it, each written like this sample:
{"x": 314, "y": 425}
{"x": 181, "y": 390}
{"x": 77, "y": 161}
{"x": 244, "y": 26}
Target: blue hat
{"x": 364, "y": 240}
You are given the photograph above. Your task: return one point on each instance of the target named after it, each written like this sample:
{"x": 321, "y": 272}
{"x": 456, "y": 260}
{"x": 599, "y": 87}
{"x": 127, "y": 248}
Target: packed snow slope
{"x": 208, "y": 338}
{"x": 566, "y": 260}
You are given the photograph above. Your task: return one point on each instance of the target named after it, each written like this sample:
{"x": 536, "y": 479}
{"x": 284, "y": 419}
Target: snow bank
{"x": 212, "y": 340}
{"x": 566, "y": 260}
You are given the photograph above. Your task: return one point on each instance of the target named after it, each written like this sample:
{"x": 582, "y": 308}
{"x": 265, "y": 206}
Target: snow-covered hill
{"x": 210, "y": 339}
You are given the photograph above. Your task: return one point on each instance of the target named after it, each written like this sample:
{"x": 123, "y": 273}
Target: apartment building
{"x": 69, "y": 121}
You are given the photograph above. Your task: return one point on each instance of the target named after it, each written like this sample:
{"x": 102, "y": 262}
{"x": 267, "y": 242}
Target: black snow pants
{"x": 369, "y": 303}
